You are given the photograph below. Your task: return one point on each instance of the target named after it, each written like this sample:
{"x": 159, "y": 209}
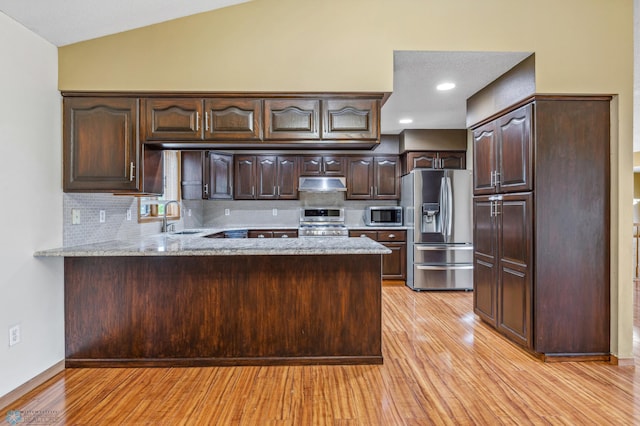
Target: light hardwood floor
{"x": 441, "y": 366}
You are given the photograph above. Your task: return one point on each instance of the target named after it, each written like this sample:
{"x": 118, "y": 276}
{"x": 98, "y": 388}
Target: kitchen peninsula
{"x": 186, "y": 300}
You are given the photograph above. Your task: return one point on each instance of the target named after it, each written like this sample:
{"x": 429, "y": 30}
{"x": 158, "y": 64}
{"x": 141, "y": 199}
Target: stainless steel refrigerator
{"x": 438, "y": 214}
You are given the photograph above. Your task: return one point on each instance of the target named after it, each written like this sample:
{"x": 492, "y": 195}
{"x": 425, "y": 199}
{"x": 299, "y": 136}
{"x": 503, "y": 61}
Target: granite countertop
{"x": 195, "y": 244}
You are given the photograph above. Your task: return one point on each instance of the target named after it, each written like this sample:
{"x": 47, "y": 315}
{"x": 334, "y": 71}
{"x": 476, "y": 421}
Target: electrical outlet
{"x": 103, "y": 216}
{"x": 274, "y": 212}
{"x": 14, "y": 335}
{"x": 128, "y": 214}
{"x": 75, "y": 216}
{"x": 227, "y": 212}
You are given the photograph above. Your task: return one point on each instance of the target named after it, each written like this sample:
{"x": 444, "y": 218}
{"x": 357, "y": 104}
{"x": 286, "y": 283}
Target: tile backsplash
{"x": 195, "y": 214}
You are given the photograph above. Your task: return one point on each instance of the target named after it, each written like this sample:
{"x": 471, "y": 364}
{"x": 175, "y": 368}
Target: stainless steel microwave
{"x": 383, "y": 216}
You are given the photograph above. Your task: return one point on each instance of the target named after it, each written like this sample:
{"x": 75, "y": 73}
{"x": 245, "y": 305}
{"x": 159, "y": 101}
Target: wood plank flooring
{"x": 442, "y": 366}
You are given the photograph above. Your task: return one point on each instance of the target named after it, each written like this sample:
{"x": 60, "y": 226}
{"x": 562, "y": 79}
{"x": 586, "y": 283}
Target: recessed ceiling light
{"x": 405, "y": 121}
{"x": 445, "y": 86}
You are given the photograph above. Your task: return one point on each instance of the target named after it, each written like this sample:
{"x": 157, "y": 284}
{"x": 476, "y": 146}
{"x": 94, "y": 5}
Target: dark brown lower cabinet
{"x": 394, "y": 264}
{"x": 185, "y": 311}
{"x": 503, "y": 255}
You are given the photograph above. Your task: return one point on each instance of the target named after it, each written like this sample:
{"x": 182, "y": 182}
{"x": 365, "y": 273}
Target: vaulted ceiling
{"x": 416, "y": 73}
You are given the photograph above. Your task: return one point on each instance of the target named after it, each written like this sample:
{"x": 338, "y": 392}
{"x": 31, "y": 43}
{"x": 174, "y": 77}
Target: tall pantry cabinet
{"x": 541, "y": 225}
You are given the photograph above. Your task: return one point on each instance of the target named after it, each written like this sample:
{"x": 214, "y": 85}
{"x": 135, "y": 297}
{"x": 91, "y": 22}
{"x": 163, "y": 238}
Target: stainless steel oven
{"x": 322, "y": 222}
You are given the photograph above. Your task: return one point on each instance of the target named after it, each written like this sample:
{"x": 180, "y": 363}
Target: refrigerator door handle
{"x": 442, "y": 267}
{"x": 449, "y": 201}
{"x": 430, "y": 248}
{"x": 444, "y": 208}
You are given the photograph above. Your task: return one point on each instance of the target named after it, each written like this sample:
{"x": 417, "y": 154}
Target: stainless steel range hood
{"x": 322, "y": 184}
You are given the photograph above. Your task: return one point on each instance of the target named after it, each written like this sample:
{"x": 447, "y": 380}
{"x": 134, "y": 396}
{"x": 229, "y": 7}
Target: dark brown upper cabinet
{"x": 266, "y": 177}
{"x": 233, "y": 119}
{"x": 350, "y": 119}
{"x": 373, "y": 178}
{"x": 218, "y": 175}
{"x": 172, "y": 119}
{"x": 101, "y": 149}
{"x": 433, "y": 160}
{"x": 503, "y": 154}
{"x": 206, "y": 175}
{"x": 327, "y": 165}
{"x": 292, "y": 119}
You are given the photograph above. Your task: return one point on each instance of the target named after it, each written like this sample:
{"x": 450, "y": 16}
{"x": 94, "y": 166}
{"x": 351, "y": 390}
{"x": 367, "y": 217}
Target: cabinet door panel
{"x": 484, "y": 228}
{"x": 515, "y": 151}
{"x": 515, "y": 311}
{"x": 233, "y": 119}
{"x": 311, "y": 165}
{"x": 360, "y": 178}
{"x": 515, "y": 218}
{"x": 287, "y": 179}
{"x": 484, "y": 291}
{"x": 172, "y": 119}
{"x": 452, "y": 160}
{"x": 333, "y": 166}
{"x": 394, "y": 264}
{"x": 255, "y": 233}
{"x": 244, "y": 177}
{"x": 484, "y": 158}
{"x": 191, "y": 175}
{"x": 266, "y": 177}
{"x": 285, "y": 234}
{"x": 220, "y": 176}
{"x": 485, "y": 260}
{"x": 292, "y": 119}
{"x": 515, "y": 284}
{"x": 387, "y": 178}
{"x": 350, "y": 119}
{"x": 421, "y": 160}
{"x": 100, "y": 144}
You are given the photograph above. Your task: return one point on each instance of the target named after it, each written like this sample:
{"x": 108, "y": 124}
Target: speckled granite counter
{"x": 197, "y": 244}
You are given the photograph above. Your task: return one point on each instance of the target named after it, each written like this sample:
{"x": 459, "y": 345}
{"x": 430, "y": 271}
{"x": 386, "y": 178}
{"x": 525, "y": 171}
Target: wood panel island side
{"x": 188, "y": 301}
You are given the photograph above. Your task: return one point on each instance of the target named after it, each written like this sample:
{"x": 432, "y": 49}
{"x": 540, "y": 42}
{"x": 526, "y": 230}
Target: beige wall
{"x": 581, "y": 46}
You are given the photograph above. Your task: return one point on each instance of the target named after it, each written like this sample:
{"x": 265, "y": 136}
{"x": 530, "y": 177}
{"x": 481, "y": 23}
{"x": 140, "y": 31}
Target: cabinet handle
{"x": 497, "y": 179}
{"x": 253, "y": 190}
{"x": 131, "y": 167}
{"x": 197, "y": 121}
{"x": 363, "y": 236}
{"x": 371, "y": 191}
{"x": 491, "y": 184}
{"x": 285, "y": 236}
{"x": 206, "y": 189}
{"x": 497, "y": 212}
{"x": 206, "y": 121}
{"x": 261, "y": 236}
{"x": 392, "y": 235}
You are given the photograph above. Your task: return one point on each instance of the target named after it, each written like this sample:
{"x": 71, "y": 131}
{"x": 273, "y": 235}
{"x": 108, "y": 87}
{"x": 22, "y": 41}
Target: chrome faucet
{"x": 165, "y": 225}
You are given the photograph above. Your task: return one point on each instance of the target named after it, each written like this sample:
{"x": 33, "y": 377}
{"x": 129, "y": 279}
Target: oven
{"x": 322, "y": 222}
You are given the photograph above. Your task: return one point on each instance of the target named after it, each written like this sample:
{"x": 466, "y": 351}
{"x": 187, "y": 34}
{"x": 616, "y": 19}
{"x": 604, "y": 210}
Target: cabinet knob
{"x": 285, "y": 236}
{"x": 392, "y": 235}
{"x": 363, "y": 236}
{"x": 261, "y": 236}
